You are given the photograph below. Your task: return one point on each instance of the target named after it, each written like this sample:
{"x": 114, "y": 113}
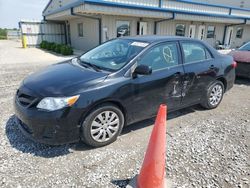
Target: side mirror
{"x": 142, "y": 70}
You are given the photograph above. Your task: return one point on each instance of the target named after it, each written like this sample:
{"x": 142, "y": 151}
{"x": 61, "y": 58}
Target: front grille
{"x": 25, "y": 99}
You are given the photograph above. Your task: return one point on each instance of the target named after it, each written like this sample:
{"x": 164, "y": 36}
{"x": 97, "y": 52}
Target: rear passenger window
{"x": 195, "y": 52}
{"x": 161, "y": 56}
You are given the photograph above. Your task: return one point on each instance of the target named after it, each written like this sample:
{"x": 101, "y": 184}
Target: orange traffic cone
{"x": 152, "y": 174}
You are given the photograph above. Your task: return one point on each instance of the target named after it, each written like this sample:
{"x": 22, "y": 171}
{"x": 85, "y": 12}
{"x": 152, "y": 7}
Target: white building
{"x": 91, "y": 22}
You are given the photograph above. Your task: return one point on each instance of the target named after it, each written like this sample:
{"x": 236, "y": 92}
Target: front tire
{"x": 214, "y": 95}
{"x": 102, "y": 126}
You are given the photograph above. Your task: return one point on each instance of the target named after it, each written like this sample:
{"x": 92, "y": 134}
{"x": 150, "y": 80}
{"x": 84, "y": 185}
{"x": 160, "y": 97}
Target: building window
{"x": 210, "y": 32}
{"x": 239, "y": 32}
{"x": 122, "y": 28}
{"x": 80, "y": 29}
{"x": 180, "y": 30}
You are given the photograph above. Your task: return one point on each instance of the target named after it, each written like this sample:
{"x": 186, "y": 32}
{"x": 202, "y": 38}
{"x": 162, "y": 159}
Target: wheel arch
{"x": 102, "y": 102}
{"x": 224, "y": 81}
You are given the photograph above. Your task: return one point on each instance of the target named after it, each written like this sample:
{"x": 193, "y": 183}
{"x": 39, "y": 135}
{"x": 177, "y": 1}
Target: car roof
{"x": 156, "y": 38}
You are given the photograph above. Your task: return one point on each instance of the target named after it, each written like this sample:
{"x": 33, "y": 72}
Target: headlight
{"x": 55, "y": 103}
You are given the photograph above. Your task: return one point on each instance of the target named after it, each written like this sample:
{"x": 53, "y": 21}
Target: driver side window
{"x": 160, "y": 57}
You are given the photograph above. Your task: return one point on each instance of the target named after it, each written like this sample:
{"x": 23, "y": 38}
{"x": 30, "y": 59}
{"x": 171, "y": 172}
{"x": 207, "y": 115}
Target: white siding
{"x": 168, "y": 28}
{"x": 241, "y": 13}
{"x": 153, "y": 3}
{"x": 207, "y": 19}
{"x": 59, "y": 15}
{"x": 109, "y": 22}
{"x": 90, "y": 32}
{"x": 237, "y": 42}
{"x": 56, "y": 4}
{"x": 37, "y": 32}
{"x": 234, "y": 3}
{"x": 100, "y": 9}
{"x": 194, "y": 8}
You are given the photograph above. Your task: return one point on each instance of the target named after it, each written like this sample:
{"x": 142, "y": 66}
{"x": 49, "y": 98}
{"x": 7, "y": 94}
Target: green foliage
{"x": 58, "y": 48}
{"x": 66, "y": 50}
{"x": 53, "y": 47}
{"x": 43, "y": 44}
{"x": 3, "y": 37}
{"x": 3, "y": 34}
{"x": 49, "y": 45}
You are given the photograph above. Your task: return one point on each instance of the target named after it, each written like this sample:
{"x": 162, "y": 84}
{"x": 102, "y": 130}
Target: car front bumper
{"x": 53, "y": 128}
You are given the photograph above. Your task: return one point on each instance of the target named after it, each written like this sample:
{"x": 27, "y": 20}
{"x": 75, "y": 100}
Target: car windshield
{"x": 113, "y": 55}
{"x": 245, "y": 47}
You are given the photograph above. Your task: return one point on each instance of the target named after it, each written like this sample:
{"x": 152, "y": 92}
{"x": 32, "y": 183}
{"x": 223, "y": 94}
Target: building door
{"x": 143, "y": 27}
{"x": 201, "y": 34}
{"x": 191, "y": 32}
{"x": 229, "y": 34}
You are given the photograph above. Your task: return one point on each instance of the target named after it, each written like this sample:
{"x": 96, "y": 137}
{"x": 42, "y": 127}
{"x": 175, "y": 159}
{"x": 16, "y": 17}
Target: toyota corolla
{"x": 123, "y": 81}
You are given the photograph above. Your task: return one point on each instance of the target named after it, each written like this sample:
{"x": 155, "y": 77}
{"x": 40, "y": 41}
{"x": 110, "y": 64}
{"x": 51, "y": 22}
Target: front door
{"x": 201, "y": 33}
{"x": 163, "y": 86}
{"x": 192, "y": 31}
{"x": 228, "y": 38}
{"x": 200, "y": 71}
{"x": 143, "y": 27}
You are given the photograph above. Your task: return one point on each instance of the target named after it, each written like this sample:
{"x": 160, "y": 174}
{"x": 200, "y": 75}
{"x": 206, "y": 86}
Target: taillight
{"x": 234, "y": 64}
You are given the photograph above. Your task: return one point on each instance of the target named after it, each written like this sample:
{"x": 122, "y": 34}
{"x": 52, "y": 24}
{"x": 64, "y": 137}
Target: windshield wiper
{"x": 90, "y": 65}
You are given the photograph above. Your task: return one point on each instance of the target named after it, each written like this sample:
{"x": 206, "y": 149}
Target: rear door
{"x": 164, "y": 85}
{"x": 200, "y": 70}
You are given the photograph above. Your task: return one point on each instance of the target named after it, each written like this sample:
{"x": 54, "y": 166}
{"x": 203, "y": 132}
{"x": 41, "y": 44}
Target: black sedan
{"x": 92, "y": 97}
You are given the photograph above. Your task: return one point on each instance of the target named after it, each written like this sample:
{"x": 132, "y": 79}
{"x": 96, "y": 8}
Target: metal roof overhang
{"x": 63, "y": 15}
{"x": 120, "y": 11}
{"x": 201, "y": 18}
{"x": 106, "y": 8}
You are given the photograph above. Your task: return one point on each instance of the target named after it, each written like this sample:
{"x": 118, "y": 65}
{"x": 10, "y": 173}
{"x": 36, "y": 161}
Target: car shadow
{"x": 25, "y": 145}
{"x": 120, "y": 183}
{"x": 242, "y": 81}
{"x": 151, "y": 121}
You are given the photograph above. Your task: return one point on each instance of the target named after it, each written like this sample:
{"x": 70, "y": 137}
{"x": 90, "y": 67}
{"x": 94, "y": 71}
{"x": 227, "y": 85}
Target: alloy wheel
{"x": 216, "y": 95}
{"x": 104, "y": 126}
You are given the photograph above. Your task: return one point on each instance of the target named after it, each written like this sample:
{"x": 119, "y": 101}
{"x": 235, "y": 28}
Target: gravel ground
{"x": 204, "y": 148}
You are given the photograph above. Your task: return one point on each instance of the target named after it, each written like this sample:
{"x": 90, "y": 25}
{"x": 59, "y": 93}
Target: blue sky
{"x": 12, "y": 11}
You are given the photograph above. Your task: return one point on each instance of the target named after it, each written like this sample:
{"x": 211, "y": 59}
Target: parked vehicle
{"x": 242, "y": 57}
{"x": 120, "y": 82}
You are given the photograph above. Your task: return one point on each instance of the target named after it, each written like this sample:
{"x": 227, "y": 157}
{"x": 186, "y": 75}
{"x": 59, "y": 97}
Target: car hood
{"x": 241, "y": 56}
{"x": 63, "y": 79}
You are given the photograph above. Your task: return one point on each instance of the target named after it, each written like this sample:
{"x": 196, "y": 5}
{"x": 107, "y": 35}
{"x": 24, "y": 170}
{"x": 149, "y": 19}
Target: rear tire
{"x": 214, "y": 95}
{"x": 102, "y": 126}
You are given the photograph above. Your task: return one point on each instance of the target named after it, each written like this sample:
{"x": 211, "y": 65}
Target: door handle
{"x": 211, "y": 67}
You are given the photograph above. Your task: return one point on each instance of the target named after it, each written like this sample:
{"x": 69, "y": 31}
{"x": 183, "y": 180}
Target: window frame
{"x": 237, "y": 29}
{"x": 184, "y": 29}
{"x": 214, "y": 28}
{"x": 155, "y": 46}
{"x": 78, "y": 30}
{"x": 116, "y": 27}
{"x": 199, "y": 43}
